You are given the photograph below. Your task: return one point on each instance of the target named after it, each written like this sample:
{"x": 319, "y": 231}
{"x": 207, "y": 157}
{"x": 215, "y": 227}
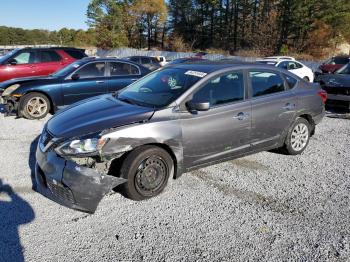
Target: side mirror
{"x": 198, "y": 106}
{"x": 75, "y": 77}
{"x": 12, "y": 62}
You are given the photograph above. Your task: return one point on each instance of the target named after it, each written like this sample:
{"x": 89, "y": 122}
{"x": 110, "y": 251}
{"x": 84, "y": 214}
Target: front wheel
{"x": 147, "y": 170}
{"x": 34, "y": 106}
{"x": 298, "y": 137}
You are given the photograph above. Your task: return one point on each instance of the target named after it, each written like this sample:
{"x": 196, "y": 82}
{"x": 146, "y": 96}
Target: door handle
{"x": 133, "y": 80}
{"x": 100, "y": 81}
{"x": 241, "y": 116}
{"x": 289, "y": 106}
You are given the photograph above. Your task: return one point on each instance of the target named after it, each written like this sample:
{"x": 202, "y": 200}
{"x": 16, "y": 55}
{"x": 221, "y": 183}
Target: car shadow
{"x": 14, "y": 211}
{"x": 337, "y": 112}
{"x": 32, "y": 160}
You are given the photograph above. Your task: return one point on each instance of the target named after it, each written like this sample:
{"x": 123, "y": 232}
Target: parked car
{"x": 27, "y": 62}
{"x": 152, "y": 63}
{"x": 291, "y": 65}
{"x": 35, "y": 97}
{"x": 337, "y": 86}
{"x": 172, "y": 121}
{"x": 333, "y": 64}
{"x": 186, "y": 59}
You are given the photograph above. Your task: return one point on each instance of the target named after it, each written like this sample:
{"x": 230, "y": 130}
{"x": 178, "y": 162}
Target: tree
{"x": 105, "y": 17}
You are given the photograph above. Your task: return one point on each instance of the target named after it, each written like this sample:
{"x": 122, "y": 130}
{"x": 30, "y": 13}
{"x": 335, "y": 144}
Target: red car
{"x": 334, "y": 63}
{"x": 29, "y": 62}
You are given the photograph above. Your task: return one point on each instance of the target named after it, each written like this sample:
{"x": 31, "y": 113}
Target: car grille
{"x": 45, "y": 139}
{"x": 61, "y": 192}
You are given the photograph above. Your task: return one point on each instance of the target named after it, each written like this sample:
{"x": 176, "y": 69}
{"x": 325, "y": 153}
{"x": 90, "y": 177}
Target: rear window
{"x": 76, "y": 54}
{"x": 341, "y": 60}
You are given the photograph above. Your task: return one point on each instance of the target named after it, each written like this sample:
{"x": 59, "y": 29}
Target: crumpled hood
{"x": 94, "y": 115}
{"x": 23, "y": 80}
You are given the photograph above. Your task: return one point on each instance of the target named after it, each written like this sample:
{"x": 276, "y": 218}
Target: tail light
{"x": 323, "y": 95}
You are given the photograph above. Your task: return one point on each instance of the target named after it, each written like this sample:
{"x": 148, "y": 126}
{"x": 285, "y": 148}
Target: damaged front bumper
{"x": 10, "y": 106}
{"x": 69, "y": 184}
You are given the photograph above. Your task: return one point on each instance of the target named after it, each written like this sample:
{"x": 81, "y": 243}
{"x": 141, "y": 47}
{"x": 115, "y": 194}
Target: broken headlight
{"x": 10, "y": 89}
{"x": 85, "y": 146}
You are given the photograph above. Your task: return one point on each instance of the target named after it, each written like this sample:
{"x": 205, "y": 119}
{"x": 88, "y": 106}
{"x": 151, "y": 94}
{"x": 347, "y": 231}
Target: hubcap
{"x": 151, "y": 175}
{"x": 300, "y": 136}
{"x": 36, "y": 107}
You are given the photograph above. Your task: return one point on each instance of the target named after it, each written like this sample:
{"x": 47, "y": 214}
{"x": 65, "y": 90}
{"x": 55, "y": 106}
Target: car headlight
{"x": 86, "y": 146}
{"x": 10, "y": 89}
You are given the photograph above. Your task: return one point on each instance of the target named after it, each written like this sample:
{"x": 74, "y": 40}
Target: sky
{"x": 44, "y": 14}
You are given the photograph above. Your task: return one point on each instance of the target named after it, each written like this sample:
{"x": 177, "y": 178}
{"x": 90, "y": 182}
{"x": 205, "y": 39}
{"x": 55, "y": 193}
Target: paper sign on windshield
{"x": 196, "y": 73}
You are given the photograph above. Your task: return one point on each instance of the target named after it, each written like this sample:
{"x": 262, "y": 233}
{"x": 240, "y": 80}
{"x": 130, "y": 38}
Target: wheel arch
{"x": 309, "y": 118}
{"x": 52, "y": 105}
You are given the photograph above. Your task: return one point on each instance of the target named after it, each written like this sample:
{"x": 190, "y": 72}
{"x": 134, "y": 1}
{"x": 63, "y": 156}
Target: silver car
{"x": 172, "y": 121}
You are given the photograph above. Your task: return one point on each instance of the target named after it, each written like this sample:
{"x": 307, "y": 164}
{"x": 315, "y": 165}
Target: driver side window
{"x": 24, "y": 58}
{"x": 221, "y": 90}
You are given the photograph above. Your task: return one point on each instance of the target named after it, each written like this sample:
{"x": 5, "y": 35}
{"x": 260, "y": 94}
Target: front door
{"x": 223, "y": 130}
{"x": 273, "y": 108}
{"x": 90, "y": 80}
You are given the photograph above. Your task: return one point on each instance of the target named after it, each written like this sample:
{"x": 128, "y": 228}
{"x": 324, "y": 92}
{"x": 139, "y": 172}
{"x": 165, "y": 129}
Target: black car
{"x": 172, "y": 121}
{"x": 152, "y": 63}
{"x": 337, "y": 86}
{"x": 35, "y": 97}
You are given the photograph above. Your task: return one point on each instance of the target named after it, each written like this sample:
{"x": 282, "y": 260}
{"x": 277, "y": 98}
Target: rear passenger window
{"x": 120, "y": 69}
{"x": 92, "y": 70}
{"x": 76, "y": 54}
{"x": 145, "y": 60}
{"x": 224, "y": 89}
{"x": 265, "y": 83}
{"x": 291, "y": 81}
{"x": 49, "y": 56}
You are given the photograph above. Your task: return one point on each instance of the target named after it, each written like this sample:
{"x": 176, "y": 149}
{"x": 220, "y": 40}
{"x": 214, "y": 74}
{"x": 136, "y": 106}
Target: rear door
{"x": 223, "y": 130}
{"x": 121, "y": 74}
{"x": 48, "y": 62}
{"x": 92, "y": 81}
{"x": 273, "y": 107}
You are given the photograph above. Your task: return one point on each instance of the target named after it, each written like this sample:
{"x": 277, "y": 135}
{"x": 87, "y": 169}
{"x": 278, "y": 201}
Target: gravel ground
{"x": 265, "y": 207}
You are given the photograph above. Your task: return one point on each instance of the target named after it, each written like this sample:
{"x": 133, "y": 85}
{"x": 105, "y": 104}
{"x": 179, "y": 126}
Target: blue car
{"x": 35, "y": 97}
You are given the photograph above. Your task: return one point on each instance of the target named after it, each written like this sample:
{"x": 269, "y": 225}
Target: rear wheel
{"x": 298, "y": 137}
{"x": 34, "y": 106}
{"x": 147, "y": 170}
{"x": 306, "y": 79}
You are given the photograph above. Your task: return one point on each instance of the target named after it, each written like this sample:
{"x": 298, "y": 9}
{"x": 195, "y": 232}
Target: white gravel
{"x": 267, "y": 207}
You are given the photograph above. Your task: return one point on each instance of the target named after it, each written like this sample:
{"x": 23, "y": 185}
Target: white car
{"x": 291, "y": 65}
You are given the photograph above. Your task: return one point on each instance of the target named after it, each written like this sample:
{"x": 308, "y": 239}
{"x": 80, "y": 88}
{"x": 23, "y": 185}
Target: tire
{"x": 307, "y": 79}
{"x": 34, "y": 106}
{"x": 146, "y": 160}
{"x": 298, "y": 137}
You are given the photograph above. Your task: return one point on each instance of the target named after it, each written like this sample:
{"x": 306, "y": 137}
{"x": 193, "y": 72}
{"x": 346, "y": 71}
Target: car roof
{"x": 279, "y": 58}
{"x": 51, "y": 48}
{"x": 208, "y": 66}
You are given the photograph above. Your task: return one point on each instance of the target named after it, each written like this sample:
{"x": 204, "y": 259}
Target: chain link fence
{"x": 125, "y": 52}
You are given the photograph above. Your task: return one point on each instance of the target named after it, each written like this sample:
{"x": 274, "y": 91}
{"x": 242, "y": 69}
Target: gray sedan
{"x": 172, "y": 121}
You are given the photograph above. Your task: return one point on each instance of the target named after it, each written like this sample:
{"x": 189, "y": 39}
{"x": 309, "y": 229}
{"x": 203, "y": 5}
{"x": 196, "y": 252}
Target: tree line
{"x": 261, "y": 26}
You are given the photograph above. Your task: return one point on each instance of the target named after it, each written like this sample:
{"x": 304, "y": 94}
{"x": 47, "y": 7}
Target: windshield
{"x": 345, "y": 70}
{"x": 161, "y": 87}
{"x": 6, "y": 56}
{"x": 67, "y": 69}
